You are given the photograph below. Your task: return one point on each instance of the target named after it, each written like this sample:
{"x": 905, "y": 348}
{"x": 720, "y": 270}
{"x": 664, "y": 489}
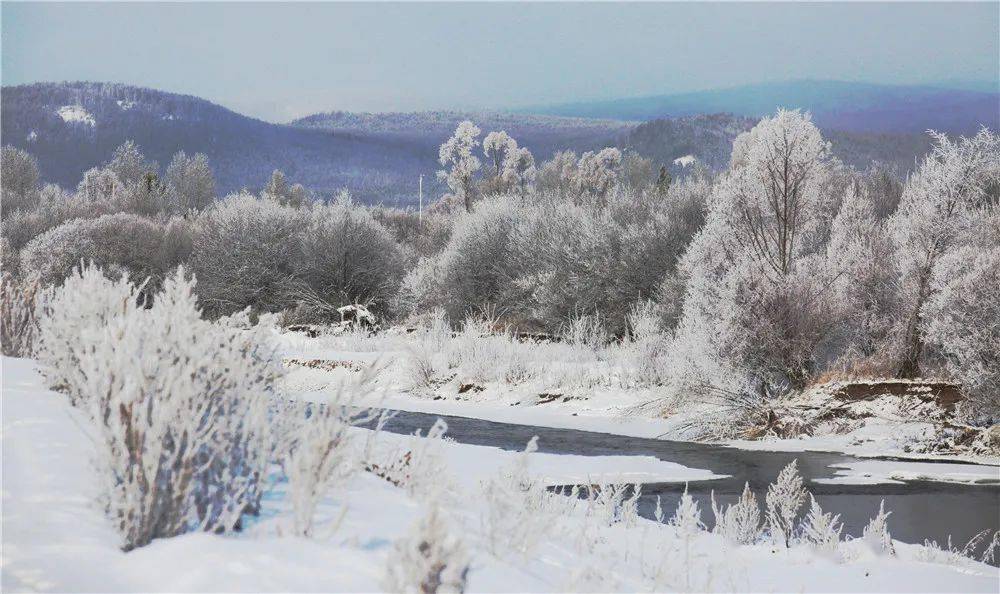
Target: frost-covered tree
{"x": 861, "y": 254}
{"x": 496, "y": 147}
{"x": 191, "y": 182}
{"x": 558, "y": 175}
{"x": 130, "y": 165}
{"x": 278, "y": 189}
{"x": 243, "y": 249}
{"x": 18, "y": 180}
{"x": 758, "y": 302}
{"x": 598, "y": 171}
{"x": 519, "y": 171}
{"x": 99, "y": 185}
{"x": 961, "y": 320}
{"x": 942, "y": 205}
{"x": 461, "y": 165}
{"x": 277, "y": 186}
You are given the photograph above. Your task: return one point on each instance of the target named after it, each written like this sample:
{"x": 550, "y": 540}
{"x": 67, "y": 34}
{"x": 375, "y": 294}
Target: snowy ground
{"x": 55, "y": 537}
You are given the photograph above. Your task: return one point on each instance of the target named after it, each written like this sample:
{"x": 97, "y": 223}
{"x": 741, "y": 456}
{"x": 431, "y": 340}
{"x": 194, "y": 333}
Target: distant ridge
{"x": 71, "y": 127}
{"x": 835, "y": 105}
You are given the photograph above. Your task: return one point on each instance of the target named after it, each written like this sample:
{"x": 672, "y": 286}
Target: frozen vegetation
{"x": 185, "y": 384}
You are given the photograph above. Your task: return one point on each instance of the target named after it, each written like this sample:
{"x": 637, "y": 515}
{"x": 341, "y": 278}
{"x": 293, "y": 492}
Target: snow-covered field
{"x": 56, "y": 538}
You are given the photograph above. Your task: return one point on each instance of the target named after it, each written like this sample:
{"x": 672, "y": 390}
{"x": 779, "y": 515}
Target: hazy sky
{"x": 277, "y": 61}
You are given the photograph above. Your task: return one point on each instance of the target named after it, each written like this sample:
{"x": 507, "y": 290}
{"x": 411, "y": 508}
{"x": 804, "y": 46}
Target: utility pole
{"x": 420, "y": 211}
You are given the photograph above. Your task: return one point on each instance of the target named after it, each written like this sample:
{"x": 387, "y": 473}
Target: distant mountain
{"x": 542, "y": 134}
{"x": 835, "y": 105}
{"x": 71, "y": 127}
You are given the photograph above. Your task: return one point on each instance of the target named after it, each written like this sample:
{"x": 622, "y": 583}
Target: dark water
{"x": 920, "y": 509}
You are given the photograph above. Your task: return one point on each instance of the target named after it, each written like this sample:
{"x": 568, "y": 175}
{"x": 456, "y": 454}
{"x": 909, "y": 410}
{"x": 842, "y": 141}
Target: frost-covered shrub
{"x": 962, "y": 321}
{"x": 614, "y": 503}
{"x": 876, "y": 533}
{"x": 54, "y": 208}
{"x": 345, "y": 256}
{"x": 86, "y": 302}
{"x": 686, "y": 521}
{"x": 520, "y": 511}
{"x": 739, "y": 523}
{"x": 784, "y": 498}
{"x": 125, "y": 242}
{"x": 180, "y": 404}
{"x": 821, "y": 530}
{"x": 430, "y": 559}
{"x": 475, "y": 268}
{"x": 320, "y": 458}
{"x": 243, "y": 251}
{"x": 18, "y": 324}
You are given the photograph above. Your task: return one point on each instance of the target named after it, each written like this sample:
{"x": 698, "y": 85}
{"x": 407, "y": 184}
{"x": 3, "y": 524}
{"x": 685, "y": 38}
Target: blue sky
{"x": 278, "y": 61}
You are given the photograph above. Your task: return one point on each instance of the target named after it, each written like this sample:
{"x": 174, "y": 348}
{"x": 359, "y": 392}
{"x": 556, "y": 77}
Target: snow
{"x": 76, "y": 114}
{"x": 125, "y": 104}
{"x": 56, "y": 538}
{"x": 32, "y": 136}
{"x": 685, "y": 161}
{"x": 892, "y": 471}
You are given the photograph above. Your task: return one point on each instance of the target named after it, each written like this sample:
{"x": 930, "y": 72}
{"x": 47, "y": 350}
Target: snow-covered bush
{"x": 243, "y": 250}
{"x": 430, "y": 559}
{"x": 962, "y": 321}
{"x": 126, "y": 242}
{"x": 739, "y": 523}
{"x": 475, "y": 268}
{"x": 820, "y": 529}
{"x": 784, "y": 498}
{"x": 18, "y": 324}
{"x": 345, "y": 256}
{"x": 180, "y": 403}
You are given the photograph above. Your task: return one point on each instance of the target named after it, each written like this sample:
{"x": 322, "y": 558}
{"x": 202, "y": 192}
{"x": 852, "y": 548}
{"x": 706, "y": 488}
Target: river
{"x": 920, "y": 509}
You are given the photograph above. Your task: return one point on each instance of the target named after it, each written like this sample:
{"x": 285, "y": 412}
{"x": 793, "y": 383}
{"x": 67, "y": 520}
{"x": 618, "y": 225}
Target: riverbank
{"x": 573, "y": 389}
